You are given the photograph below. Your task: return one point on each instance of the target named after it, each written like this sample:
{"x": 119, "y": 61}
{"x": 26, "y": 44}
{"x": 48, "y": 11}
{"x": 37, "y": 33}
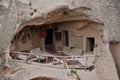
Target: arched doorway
{"x": 43, "y": 78}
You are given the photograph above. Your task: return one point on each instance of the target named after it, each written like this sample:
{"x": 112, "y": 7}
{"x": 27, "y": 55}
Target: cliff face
{"x": 15, "y": 14}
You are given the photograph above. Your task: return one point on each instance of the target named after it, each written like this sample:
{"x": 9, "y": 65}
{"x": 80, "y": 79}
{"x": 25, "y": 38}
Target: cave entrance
{"x": 57, "y": 37}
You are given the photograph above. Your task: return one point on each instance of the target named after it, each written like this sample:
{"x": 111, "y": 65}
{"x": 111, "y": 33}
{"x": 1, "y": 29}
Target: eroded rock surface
{"x": 16, "y": 14}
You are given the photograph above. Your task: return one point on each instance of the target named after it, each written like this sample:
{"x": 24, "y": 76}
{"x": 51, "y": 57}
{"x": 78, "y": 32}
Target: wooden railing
{"x": 62, "y": 58}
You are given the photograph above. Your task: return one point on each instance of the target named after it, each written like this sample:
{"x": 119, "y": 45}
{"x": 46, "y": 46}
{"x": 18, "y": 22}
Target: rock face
{"x": 16, "y": 14}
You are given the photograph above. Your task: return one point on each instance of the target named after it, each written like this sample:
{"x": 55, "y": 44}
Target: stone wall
{"x": 27, "y": 39}
{"x": 77, "y": 29}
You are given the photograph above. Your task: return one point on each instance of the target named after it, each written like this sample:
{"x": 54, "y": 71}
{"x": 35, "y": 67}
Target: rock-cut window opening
{"x": 90, "y": 44}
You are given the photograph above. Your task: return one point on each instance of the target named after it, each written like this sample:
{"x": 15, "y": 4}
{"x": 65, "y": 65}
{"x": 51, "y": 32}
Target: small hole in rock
{"x": 65, "y": 13}
{"x": 31, "y": 13}
{"x": 30, "y": 4}
{"x": 35, "y": 10}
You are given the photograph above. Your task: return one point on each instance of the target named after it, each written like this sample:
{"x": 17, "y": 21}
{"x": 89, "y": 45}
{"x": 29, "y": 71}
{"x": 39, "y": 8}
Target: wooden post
{"x": 64, "y": 60}
{"x": 39, "y": 59}
{"x": 46, "y": 59}
{"x": 86, "y": 62}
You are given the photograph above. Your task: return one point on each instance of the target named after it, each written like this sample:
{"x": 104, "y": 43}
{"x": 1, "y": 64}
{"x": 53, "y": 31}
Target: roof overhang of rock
{"x": 60, "y": 14}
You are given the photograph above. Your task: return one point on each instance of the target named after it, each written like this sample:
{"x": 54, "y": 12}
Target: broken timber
{"x": 64, "y": 59}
